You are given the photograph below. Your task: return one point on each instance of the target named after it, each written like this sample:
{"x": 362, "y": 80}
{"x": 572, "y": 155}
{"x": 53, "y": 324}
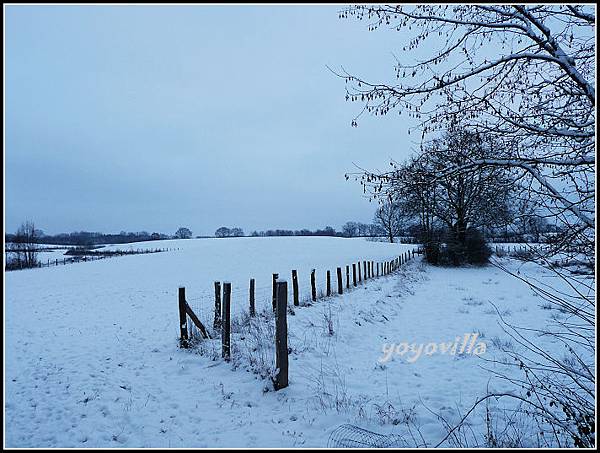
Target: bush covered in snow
{"x": 456, "y": 252}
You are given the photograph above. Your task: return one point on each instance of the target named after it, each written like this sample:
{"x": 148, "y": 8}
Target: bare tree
{"x": 458, "y": 201}
{"x": 350, "y": 229}
{"x": 522, "y": 74}
{"x": 183, "y": 233}
{"x": 25, "y": 245}
{"x": 388, "y": 218}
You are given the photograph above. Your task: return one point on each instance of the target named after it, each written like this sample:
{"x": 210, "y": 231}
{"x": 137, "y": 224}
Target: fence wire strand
{"x": 350, "y": 436}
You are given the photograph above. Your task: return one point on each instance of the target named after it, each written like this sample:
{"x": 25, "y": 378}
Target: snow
{"x": 92, "y": 358}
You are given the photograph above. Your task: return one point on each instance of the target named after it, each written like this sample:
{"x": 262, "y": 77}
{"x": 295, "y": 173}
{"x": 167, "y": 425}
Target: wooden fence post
{"x": 359, "y": 275}
{"x": 347, "y": 277}
{"x": 226, "y": 323}
{"x": 313, "y": 285}
{"x": 340, "y": 283}
{"x": 281, "y": 344}
{"x": 354, "y": 274}
{"x": 328, "y": 283}
{"x": 252, "y": 306}
{"x": 378, "y": 269}
{"x": 183, "y": 332}
{"x": 217, "y": 321}
{"x": 274, "y": 299}
{"x": 364, "y": 270}
{"x": 295, "y": 288}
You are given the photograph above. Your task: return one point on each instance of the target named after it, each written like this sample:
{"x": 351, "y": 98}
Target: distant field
{"x": 197, "y": 263}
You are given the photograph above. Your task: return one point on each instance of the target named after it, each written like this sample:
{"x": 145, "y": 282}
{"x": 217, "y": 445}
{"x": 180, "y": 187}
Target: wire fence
{"x": 77, "y": 257}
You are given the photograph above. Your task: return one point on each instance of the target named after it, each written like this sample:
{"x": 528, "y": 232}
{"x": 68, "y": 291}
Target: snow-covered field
{"x": 91, "y": 356}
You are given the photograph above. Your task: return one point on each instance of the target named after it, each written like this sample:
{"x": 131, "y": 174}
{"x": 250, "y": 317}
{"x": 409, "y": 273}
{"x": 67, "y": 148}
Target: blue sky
{"x": 154, "y": 117}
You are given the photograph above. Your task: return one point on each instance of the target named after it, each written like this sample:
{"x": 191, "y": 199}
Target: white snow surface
{"x": 92, "y": 357}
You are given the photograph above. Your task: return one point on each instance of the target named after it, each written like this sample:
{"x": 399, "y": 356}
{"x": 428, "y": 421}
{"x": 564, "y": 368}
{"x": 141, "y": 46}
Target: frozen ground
{"x": 92, "y": 357}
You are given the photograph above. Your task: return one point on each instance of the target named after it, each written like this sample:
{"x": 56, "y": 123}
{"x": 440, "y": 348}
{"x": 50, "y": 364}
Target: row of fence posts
{"x": 361, "y": 271}
{"x": 519, "y": 249}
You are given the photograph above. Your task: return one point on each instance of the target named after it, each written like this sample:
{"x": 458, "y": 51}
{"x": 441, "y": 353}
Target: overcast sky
{"x": 154, "y": 117}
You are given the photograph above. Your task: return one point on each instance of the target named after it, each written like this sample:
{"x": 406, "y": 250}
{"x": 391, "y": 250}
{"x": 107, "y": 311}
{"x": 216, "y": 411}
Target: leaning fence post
{"x": 217, "y": 321}
{"x": 313, "y": 285}
{"x": 339, "y": 277}
{"x": 183, "y": 332}
{"x": 295, "y": 288}
{"x": 281, "y": 345}
{"x": 275, "y": 277}
{"x": 354, "y": 274}
{"x": 226, "y": 322}
{"x": 328, "y": 283}
{"x": 252, "y": 307}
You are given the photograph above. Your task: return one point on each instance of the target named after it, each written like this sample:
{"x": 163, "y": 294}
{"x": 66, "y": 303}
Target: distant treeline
{"x": 327, "y": 231}
{"x": 89, "y": 239}
{"x": 350, "y": 229}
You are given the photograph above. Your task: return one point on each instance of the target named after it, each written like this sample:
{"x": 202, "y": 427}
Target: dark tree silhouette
{"x": 183, "y": 233}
